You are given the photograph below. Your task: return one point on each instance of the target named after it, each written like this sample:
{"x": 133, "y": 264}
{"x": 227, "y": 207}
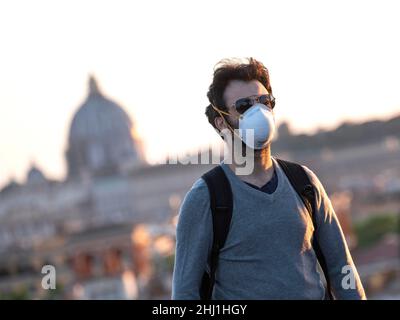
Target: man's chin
{"x": 251, "y": 151}
{"x": 258, "y": 152}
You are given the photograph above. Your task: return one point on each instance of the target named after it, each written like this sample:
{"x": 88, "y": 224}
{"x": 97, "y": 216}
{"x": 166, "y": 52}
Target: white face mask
{"x": 262, "y": 121}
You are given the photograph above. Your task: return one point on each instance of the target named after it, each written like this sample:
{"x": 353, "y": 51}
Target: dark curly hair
{"x": 233, "y": 69}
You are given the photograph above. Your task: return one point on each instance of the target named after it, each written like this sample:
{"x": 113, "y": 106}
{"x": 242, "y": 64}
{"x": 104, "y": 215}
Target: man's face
{"x": 236, "y": 90}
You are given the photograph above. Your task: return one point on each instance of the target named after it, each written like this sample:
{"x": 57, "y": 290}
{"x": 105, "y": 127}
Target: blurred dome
{"x": 100, "y": 138}
{"x": 35, "y": 176}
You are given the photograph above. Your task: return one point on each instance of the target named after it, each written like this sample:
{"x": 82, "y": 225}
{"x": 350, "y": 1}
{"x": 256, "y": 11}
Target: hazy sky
{"x": 328, "y": 61}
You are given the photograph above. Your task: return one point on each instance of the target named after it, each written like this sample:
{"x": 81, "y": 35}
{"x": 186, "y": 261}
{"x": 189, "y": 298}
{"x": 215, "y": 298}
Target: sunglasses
{"x": 243, "y": 104}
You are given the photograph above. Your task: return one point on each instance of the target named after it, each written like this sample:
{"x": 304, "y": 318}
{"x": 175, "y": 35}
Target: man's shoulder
{"x": 315, "y": 181}
{"x": 199, "y": 185}
{"x": 195, "y": 207}
{"x": 319, "y": 187}
{"x": 197, "y": 194}
{"x": 311, "y": 175}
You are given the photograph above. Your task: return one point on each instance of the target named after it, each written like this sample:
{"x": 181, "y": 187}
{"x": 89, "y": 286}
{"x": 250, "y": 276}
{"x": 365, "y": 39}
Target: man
{"x": 268, "y": 253}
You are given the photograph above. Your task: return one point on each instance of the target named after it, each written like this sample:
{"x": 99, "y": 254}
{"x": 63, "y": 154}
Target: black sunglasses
{"x": 243, "y": 104}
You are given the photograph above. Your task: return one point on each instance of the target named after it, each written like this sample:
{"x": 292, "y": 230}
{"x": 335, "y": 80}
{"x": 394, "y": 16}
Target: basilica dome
{"x": 35, "y": 176}
{"x": 101, "y": 139}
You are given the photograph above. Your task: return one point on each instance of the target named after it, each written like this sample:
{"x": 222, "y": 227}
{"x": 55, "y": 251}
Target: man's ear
{"x": 220, "y": 123}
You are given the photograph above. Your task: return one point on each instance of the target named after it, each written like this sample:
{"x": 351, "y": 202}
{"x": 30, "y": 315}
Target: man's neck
{"x": 263, "y": 168}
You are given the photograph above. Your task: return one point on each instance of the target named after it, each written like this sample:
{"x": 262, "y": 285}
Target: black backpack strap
{"x": 304, "y": 187}
{"x": 221, "y": 204}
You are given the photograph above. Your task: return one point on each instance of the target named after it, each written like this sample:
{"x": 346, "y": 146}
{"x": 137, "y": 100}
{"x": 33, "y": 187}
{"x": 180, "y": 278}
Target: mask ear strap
{"x": 226, "y": 113}
{"x": 219, "y": 110}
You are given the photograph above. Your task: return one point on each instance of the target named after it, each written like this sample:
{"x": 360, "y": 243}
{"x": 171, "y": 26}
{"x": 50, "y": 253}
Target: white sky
{"x": 329, "y": 62}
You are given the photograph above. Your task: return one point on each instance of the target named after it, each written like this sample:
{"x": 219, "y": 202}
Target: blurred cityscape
{"x": 109, "y": 228}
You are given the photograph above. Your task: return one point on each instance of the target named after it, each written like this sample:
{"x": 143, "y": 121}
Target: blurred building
{"x": 84, "y": 225}
{"x": 101, "y": 138}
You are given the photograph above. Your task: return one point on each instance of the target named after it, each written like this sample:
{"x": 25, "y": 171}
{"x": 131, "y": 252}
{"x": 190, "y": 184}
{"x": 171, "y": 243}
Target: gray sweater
{"x": 268, "y": 252}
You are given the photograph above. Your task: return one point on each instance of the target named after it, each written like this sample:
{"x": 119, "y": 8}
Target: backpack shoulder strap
{"x": 221, "y": 203}
{"x": 302, "y": 184}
